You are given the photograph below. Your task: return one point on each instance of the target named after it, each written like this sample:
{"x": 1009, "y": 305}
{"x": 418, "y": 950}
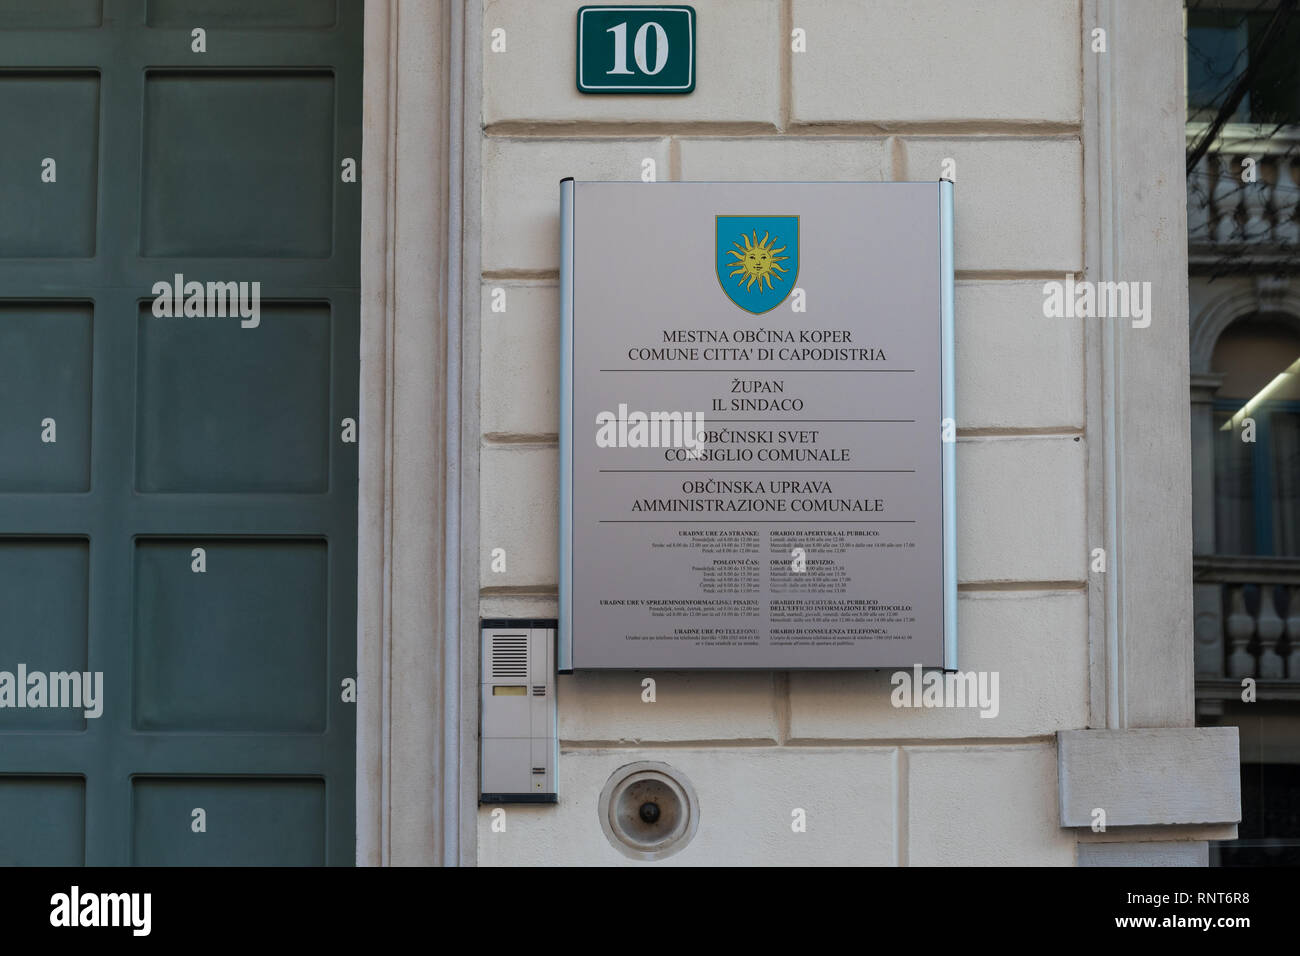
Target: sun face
{"x": 758, "y": 261}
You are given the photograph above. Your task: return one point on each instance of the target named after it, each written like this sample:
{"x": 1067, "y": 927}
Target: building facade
{"x": 1061, "y": 124}
{"x": 1069, "y": 435}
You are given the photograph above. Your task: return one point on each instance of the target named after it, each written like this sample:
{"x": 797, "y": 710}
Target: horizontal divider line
{"x": 921, "y": 742}
{"x": 549, "y": 276}
{"x": 1045, "y": 431}
{"x": 1013, "y": 275}
{"x": 992, "y": 586}
{"x": 551, "y": 439}
{"x": 783, "y": 371}
{"x": 762, "y": 471}
{"x": 825, "y": 421}
{"x": 974, "y": 587}
{"x": 605, "y": 129}
{"x": 689, "y": 129}
{"x": 519, "y": 590}
{"x": 520, "y": 438}
{"x": 801, "y": 742}
{"x": 967, "y": 129}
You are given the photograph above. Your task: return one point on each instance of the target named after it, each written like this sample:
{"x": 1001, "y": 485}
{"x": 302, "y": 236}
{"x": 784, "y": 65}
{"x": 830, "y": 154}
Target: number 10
{"x": 638, "y": 48}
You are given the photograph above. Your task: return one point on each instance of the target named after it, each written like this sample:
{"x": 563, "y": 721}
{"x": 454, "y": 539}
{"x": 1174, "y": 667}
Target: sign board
{"x": 625, "y": 49}
{"x": 753, "y": 465}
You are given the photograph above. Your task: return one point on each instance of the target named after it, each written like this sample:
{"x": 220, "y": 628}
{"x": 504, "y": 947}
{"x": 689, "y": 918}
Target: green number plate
{"x": 636, "y": 49}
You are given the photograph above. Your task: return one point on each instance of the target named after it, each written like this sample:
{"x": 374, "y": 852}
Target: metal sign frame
{"x": 947, "y": 458}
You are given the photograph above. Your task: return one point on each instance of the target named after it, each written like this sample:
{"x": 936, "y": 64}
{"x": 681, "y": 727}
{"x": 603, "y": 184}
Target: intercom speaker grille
{"x": 510, "y": 655}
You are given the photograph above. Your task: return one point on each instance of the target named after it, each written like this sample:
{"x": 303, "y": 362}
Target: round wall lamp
{"x": 648, "y": 810}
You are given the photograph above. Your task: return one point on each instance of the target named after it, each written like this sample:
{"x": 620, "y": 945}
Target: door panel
{"x": 271, "y": 196}
{"x": 52, "y": 114}
{"x": 45, "y": 372}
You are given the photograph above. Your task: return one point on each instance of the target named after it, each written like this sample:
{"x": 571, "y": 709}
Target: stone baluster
{"x": 1207, "y": 629}
{"x": 1271, "y": 628}
{"x": 1200, "y": 188}
{"x": 1267, "y": 196}
{"x": 1221, "y": 208}
{"x": 1241, "y": 628}
{"x": 1227, "y": 194}
{"x": 1293, "y": 635}
{"x": 1252, "y": 202}
{"x": 1288, "y": 198}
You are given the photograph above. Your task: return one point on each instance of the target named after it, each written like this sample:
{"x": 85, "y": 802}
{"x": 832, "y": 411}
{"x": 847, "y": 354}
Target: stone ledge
{"x": 1149, "y": 776}
{"x": 1144, "y": 854}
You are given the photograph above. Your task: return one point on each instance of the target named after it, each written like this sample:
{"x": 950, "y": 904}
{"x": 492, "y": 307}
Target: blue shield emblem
{"x": 757, "y": 259}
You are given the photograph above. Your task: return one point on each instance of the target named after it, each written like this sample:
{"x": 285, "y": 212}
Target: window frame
{"x": 1261, "y": 461}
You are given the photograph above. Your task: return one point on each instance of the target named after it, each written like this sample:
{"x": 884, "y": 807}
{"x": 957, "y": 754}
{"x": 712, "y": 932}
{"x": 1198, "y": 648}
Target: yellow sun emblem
{"x": 757, "y": 261}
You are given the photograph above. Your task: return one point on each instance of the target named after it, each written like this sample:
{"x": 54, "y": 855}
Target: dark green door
{"x": 178, "y": 471}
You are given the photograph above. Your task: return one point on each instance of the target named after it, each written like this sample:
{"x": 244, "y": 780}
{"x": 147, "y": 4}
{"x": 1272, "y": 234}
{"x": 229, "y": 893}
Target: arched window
{"x": 1257, "y": 439}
